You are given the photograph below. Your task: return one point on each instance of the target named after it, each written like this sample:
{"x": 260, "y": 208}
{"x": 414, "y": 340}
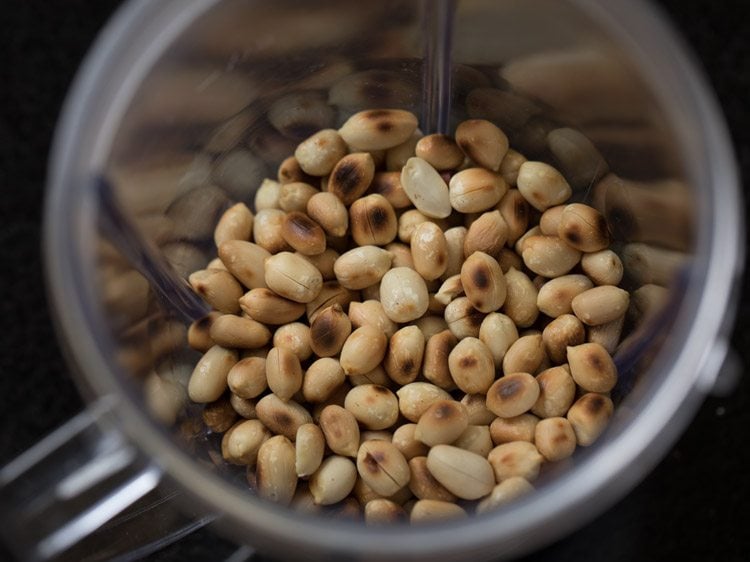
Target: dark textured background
{"x": 693, "y": 506}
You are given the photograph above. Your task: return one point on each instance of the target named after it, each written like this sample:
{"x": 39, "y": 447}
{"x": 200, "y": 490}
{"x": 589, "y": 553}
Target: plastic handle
{"x": 56, "y": 498}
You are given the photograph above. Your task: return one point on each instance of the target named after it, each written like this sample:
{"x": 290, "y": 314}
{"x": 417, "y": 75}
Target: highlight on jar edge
{"x": 406, "y": 327}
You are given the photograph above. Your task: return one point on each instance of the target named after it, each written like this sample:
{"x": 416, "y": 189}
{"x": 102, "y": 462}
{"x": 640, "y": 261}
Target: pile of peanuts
{"x": 409, "y": 326}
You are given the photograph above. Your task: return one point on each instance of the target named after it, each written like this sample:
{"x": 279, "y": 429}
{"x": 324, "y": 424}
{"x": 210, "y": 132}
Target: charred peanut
{"x": 403, "y": 359}
{"x": 235, "y": 224}
{"x": 429, "y": 250}
{"x": 218, "y": 416}
{"x": 549, "y": 256}
{"x": 282, "y": 418}
{"x": 296, "y": 338}
{"x": 455, "y": 238}
{"x": 267, "y": 196}
{"x": 246, "y": 261}
{"x": 519, "y": 428}
{"x": 471, "y": 366}
{"x": 475, "y": 438}
{"x": 424, "y": 485}
{"x": 329, "y": 212}
{"x": 414, "y": 398}
{"x": 483, "y": 142}
{"x": 557, "y": 390}
{"x": 603, "y": 267}
{"x": 374, "y": 406}
{"x": 600, "y": 305}
{"x": 517, "y": 458}
{"x": 381, "y": 511}
{"x": 229, "y": 330}
{"x": 329, "y": 331}
{"x": 362, "y": 267}
{"x": 322, "y": 378}
{"x": 439, "y": 151}
{"x": 283, "y": 373}
{"x": 363, "y": 350}
{"x": 403, "y": 294}
{"x": 404, "y": 441}
{"x": 209, "y": 379}
{"x": 515, "y": 212}
{"x": 275, "y": 472}
{"x": 505, "y": 492}
{"x": 476, "y": 406}
{"x": 303, "y": 234}
{"x": 371, "y": 313}
{"x": 199, "y": 332}
{"x": 498, "y": 333}
{"x": 542, "y": 185}
{"x": 525, "y": 355}
{"x": 520, "y": 301}
{"x": 242, "y": 441}
{"x": 318, "y": 154}
{"x": 463, "y": 319}
{"x": 556, "y": 295}
{"x": 267, "y": 231}
{"x": 584, "y": 228}
{"x": 607, "y": 335}
{"x": 220, "y": 289}
{"x": 425, "y": 188}
{"x": 463, "y": 473}
{"x": 488, "y": 234}
{"x": 340, "y": 429}
{"x": 351, "y": 177}
{"x": 579, "y": 159}
{"x": 565, "y": 330}
{"x": 388, "y": 184}
{"x": 430, "y": 511}
{"x": 512, "y": 395}
{"x": 263, "y": 305}
{"x": 333, "y": 481}
{"x": 309, "y": 448}
{"x": 378, "y": 129}
{"x": 373, "y": 221}
{"x": 323, "y": 262}
{"x": 331, "y": 293}
{"x": 554, "y": 438}
{"x": 293, "y": 277}
{"x": 475, "y": 190}
{"x": 247, "y": 378}
{"x": 510, "y": 165}
{"x": 382, "y": 466}
{"x": 589, "y": 416}
{"x": 592, "y": 367}
{"x": 549, "y": 222}
{"x": 443, "y": 422}
{"x": 295, "y": 196}
{"x": 483, "y": 282}
{"x": 435, "y": 366}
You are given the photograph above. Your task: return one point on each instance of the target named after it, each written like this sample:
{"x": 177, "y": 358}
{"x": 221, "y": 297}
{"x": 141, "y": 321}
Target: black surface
{"x": 693, "y": 506}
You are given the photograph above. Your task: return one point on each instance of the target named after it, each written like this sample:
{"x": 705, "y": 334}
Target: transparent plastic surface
{"x": 185, "y": 107}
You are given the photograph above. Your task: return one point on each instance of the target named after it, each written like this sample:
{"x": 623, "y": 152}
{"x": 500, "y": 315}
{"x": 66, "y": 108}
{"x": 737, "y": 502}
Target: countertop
{"x": 691, "y": 507}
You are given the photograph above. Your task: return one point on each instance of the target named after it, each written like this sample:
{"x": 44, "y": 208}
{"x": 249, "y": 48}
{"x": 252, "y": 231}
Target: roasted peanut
{"x": 607, "y": 335}
{"x": 267, "y": 196}
{"x": 414, "y": 398}
{"x": 475, "y": 438}
{"x": 439, "y": 151}
{"x": 363, "y": 350}
{"x": 388, "y": 184}
{"x": 327, "y": 210}
{"x": 318, "y": 154}
{"x": 488, "y": 234}
{"x": 429, "y": 511}
{"x": 378, "y": 129}
{"x": 549, "y": 256}
{"x": 199, "y": 332}
{"x": 373, "y": 221}
{"x": 483, "y": 282}
{"x": 463, "y": 473}
{"x": 331, "y": 293}
{"x": 333, "y": 480}
{"x": 263, "y": 305}
{"x": 245, "y": 407}
{"x": 429, "y": 250}
{"x": 463, "y": 319}
{"x": 219, "y": 288}
{"x": 403, "y": 359}
{"x": 515, "y": 211}
{"x": 351, "y": 176}
{"x": 584, "y": 228}
{"x": 371, "y": 313}
{"x": 229, "y": 330}
{"x": 267, "y": 231}
{"x": 542, "y": 185}
{"x": 209, "y": 379}
{"x": 512, "y": 395}
{"x": 471, "y": 366}
{"x": 275, "y": 471}
{"x": 247, "y": 378}
{"x": 520, "y": 301}
{"x": 424, "y": 485}
{"x": 294, "y": 196}
{"x": 475, "y": 190}
{"x": 361, "y": 267}
{"x": 283, "y": 418}
{"x": 518, "y": 428}
{"x": 435, "y": 366}
{"x": 565, "y": 330}
{"x": 283, "y": 373}
{"x": 517, "y": 458}
{"x": 329, "y": 331}
{"x": 340, "y": 429}
{"x": 554, "y": 438}
{"x": 242, "y": 441}
{"x": 589, "y": 416}
{"x": 600, "y": 305}
{"x": 382, "y": 466}
{"x": 505, "y": 492}
{"x": 443, "y": 422}
{"x": 303, "y": 234}
{"x": 592, "y": 367}
{"x": 556, "y": 295}
{"x": 498, "y": 333}
{"x": 549, "y": 222}
{"x": 603, "y": 267}
{"x": 381, "y": 511}
{"x": 557, "y": 390}
{"x": 374, "y": 406}
{"x": 403, "y": 294}
{"x": 483, "y": 142}
{"x": 425, "y": 188}
{"x": 296, "y": 338}
{"x": 235, "y": 224}
{"x": 525, "y": 355}
{"x": 293, "y": 277}
{"x": 455, "y": 239}
{"x": 322, "y": 378}
{"x": 246, "y": 261}
{"x": 309, "y": 448}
